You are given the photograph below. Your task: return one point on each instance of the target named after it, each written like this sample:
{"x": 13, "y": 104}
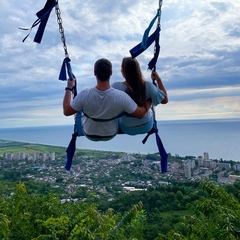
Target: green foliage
{"x": 29, "y": 148}
{"x": 53, "y": 228}
{"x": 4, "y": 226}
{"x": 178, "y": 211}
{"x": 40, "y": 217}
{"x": 216, "y": 217}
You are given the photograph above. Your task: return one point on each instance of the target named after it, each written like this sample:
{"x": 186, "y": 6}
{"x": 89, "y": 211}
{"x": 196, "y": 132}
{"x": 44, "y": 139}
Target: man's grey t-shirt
{"x": 102, "y": 105}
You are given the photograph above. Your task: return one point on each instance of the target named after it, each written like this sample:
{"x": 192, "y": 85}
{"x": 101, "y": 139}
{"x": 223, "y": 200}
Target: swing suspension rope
{"x": 66, "y": 62}
{"x": 155, "y": 52}
{"x": 61, "y": 29}
{"x": 158, "y": 26}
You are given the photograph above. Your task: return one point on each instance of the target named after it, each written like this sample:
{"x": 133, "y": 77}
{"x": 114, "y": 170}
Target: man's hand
{"x": 71, "y": 83}
{"x": 148, "y": 104}
{"x": 67, "y": 109}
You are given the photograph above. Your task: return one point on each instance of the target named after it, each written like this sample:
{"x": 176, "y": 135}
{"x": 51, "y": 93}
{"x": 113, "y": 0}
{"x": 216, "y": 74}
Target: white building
{"x": 226, "y": 166}
{"x": 236, "y": 167}
{"x": 206, "y": 156}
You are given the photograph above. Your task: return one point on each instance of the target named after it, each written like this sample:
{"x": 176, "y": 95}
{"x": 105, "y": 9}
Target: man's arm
{"x": 67, "y": 109}
{"x": 141, "y": 111}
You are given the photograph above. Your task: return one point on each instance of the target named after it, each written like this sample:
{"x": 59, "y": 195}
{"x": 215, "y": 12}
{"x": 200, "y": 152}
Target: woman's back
{"x": 140, "y": 91}
{"x": 152, "y": 92}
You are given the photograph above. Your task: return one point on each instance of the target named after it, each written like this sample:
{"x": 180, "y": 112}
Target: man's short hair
{"x": 103, "y": 69}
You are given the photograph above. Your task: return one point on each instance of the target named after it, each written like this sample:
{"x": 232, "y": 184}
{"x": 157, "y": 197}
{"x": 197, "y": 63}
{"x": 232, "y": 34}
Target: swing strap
{"x": 148, "y": 40}
{"x": 137, "y": 50}
{"x": 43, "y": 16}
{"x": 164, "y": 156}
{"x": 162, "y": 152}
{"x": 71, "y": 151}
{"x": 104, "y": 120}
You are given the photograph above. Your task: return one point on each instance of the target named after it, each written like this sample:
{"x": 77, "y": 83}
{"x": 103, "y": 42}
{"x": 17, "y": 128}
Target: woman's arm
{"x": 156, "y": 77}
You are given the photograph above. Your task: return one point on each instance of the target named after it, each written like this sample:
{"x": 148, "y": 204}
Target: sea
{"x": 220, "y": 138}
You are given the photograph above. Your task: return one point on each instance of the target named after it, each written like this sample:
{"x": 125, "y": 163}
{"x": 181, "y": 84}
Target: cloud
{"x": 198, "y": 62}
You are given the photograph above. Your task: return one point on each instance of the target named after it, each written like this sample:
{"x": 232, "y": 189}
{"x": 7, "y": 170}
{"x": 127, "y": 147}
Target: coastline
{"x": 219, "y": 138}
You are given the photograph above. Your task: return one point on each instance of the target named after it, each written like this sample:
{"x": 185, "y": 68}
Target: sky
{"x": 198, "y": 62}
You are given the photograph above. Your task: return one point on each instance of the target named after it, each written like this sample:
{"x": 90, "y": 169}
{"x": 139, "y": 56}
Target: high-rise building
{"x": 206, "y": 156}
{"x": 52, "y": 156}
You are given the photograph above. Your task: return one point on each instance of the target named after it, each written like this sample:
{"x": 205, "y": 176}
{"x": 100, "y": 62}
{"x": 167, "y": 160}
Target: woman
{"x": 140, "y": 91}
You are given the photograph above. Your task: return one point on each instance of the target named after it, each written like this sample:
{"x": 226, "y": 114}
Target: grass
{"x": 28, "y": 148}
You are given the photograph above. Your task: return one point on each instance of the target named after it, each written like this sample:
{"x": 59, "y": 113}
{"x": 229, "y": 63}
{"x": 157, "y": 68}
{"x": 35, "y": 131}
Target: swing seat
{"x": 136, "y": 130}
{"x": 78, "y": 132}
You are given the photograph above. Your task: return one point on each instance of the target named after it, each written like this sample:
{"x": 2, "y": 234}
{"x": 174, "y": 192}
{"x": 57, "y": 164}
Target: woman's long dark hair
{"x": 136, "y": 87}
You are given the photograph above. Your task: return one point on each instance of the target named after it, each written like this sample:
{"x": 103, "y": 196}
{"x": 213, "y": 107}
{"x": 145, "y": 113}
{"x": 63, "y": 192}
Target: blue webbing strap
{"x": 43, "y": 16}
{"x": 161, "y": 149}
{"x": 66, "y": 66}
{"x": 70, "y": 151}
{"x": 66, "y": 69}
{"x": 153, "y": 61}
{"x": 146, "y": 33}
{"x": 148, "y": 40}
{"x": 104, "y": 120}
{"x": 138, "y": 49}
{"x": 72, "y": 145}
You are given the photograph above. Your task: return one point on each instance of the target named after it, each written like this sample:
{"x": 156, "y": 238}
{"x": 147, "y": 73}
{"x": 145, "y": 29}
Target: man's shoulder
{"x": 88, "y": 90}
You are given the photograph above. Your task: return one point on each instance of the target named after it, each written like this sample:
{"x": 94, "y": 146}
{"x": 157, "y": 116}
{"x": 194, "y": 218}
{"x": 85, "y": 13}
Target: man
{"x": 101, "y": 102}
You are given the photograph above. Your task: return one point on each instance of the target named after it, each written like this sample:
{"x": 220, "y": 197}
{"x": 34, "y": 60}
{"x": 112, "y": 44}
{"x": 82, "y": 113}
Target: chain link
{"x": 61, "y": 29}
{"x": 158, "y": 25}
{"x": 160, "y": 13}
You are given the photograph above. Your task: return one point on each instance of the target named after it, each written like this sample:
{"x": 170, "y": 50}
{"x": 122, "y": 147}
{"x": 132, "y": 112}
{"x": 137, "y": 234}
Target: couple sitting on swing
{"x": 105, "y": 110}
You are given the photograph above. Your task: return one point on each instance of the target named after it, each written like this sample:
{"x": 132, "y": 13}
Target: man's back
{"x": 105, "y": 104}
{"x": 100, "y": 102}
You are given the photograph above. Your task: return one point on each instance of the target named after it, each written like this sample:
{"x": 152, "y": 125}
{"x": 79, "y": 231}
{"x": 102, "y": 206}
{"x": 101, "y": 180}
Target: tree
{"x": 216, "y": 216}
{"x": 4, "y": 226}
{"x": 40, "y": 217}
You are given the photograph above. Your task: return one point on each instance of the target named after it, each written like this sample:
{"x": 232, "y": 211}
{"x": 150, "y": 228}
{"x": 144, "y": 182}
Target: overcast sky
{"x": 198, "y": 62}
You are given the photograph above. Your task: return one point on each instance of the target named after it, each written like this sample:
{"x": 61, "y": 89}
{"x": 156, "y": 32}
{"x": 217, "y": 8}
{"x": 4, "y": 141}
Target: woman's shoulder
{"x": 119, "y": 86}
{"x": 149, "y": 85}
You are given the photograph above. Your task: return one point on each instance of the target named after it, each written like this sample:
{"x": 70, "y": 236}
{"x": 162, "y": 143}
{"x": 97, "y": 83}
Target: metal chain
{"x": 160, "y": 13}
{"x": 61, "y": 29}
{"x": 158, "y": 25}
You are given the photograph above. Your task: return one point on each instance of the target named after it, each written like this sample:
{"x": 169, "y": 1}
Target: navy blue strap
{"x": 146, "y": 33}
{"x": 147, "y": 41}
{"x": 70, "y": 151}
{"x": 161, "y": 149}
{"x": 153, "y": 61}
{"x": 43, "y": 16}
{"x": 138, "y": 49}
{"x": 66, "y": 68}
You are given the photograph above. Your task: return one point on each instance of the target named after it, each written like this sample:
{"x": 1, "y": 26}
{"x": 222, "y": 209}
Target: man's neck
{"x": 102, "y": 86}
